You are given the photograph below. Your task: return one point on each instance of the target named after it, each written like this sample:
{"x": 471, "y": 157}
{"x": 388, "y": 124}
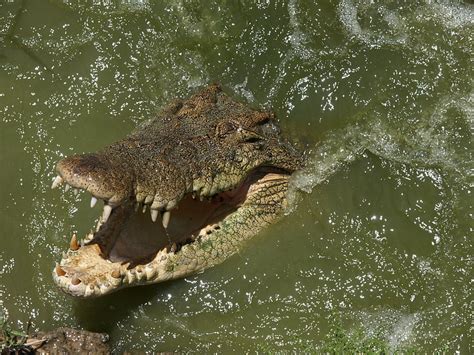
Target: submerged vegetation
{"x": 340, "y": 340}
{"x": 12, "y": 340}
{"x": 350, "y": 340}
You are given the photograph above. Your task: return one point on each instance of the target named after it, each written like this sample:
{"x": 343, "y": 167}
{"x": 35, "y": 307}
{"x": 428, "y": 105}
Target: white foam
{"x": 339, "y": 148}
{"x": 402, "y": 331}
{"x": 452, "y": 15}
{"x": 395, "y": 33}
{"x": 426, "y": 146}
{"x": 397, "y": 327}
{"x": 243, "y": 90}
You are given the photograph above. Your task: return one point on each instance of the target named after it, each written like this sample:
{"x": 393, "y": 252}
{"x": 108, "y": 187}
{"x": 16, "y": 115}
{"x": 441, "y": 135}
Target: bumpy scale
{"x": 212, "y": 169}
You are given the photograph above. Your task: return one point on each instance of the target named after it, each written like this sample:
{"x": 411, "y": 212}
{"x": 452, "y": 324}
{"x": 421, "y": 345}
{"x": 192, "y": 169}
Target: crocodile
{"x": 182, "y": 193}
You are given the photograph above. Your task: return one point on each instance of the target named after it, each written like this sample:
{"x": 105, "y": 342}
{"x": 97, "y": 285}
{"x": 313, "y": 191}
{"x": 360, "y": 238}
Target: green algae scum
{"x": 375, "y": 250}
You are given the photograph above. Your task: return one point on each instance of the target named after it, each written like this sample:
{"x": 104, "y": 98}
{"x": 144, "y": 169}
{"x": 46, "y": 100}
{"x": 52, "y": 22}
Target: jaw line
{"x": 112, "y": 275}
{"x": 108, "y": 276}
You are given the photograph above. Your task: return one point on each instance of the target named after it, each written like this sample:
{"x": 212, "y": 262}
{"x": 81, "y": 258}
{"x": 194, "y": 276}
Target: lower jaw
{"x": 113, "y": 276}
{"x": 86, "y": 273}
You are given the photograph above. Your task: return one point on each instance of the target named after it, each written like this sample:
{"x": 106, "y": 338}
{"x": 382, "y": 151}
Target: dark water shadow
{"x": 102, "y": 314}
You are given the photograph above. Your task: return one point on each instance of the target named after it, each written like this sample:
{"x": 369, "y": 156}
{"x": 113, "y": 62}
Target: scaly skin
{"x": 208, "y": 146}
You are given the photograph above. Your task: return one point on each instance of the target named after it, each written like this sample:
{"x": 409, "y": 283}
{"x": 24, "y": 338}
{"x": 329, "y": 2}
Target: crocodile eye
{"x": 249, "y": 136}
{"x": 252, "y": 139}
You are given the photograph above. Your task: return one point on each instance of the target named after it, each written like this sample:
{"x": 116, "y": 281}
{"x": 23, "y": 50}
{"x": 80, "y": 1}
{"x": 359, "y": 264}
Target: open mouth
{"x": 182, "y": 193}
{"x": 134, "y": 244}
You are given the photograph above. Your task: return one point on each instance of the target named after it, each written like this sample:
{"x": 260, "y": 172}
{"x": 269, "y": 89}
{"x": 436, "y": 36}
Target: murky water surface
{"x": 378, "y": 94}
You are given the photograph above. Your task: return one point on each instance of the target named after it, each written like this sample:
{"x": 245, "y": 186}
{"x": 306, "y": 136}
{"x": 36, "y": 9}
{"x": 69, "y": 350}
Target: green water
{"x": 379, "y": 95}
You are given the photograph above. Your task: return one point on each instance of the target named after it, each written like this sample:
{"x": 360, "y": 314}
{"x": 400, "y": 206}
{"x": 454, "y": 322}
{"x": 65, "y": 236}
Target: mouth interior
{"x": 130, "y": 236}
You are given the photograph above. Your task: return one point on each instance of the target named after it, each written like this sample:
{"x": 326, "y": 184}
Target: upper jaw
{"x": 98, "y": 175}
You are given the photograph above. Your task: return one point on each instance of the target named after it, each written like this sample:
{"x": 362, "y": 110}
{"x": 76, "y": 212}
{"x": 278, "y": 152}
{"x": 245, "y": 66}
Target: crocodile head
{"x": 182, "y": 193}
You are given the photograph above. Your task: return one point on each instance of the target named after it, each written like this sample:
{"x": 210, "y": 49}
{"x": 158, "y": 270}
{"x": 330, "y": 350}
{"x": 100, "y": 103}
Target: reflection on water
{"x": 378, "y": 94}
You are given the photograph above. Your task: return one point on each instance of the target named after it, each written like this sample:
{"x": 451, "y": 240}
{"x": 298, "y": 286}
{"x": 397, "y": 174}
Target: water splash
{"x": 376, "y": 17}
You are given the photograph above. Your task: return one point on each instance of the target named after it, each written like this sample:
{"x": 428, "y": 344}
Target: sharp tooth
{"x": 67, "y": 187}
{"x": 173, "y": 248}
{"x": 139, "y": 273}
{"x": 116, "y": 282}
{"x": 171, "y": 205}
{"x": 130, "y": 275}
{"x": 166, "y": 218}
{"x": 76, "y": 191}
{"x": 89, "y": 291}
{"x": 59, "y": 270}
{"x": 93, "y": 201}
{"x": 137, "y": 205}
{"x": 73, "y": 245}
{"x": 58, "y": 180}
{"x": 154, "y": 215}
{"x": 144, "y": 209}
{"x": 150, "y": 272}
{"x": 106, "y": 213}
